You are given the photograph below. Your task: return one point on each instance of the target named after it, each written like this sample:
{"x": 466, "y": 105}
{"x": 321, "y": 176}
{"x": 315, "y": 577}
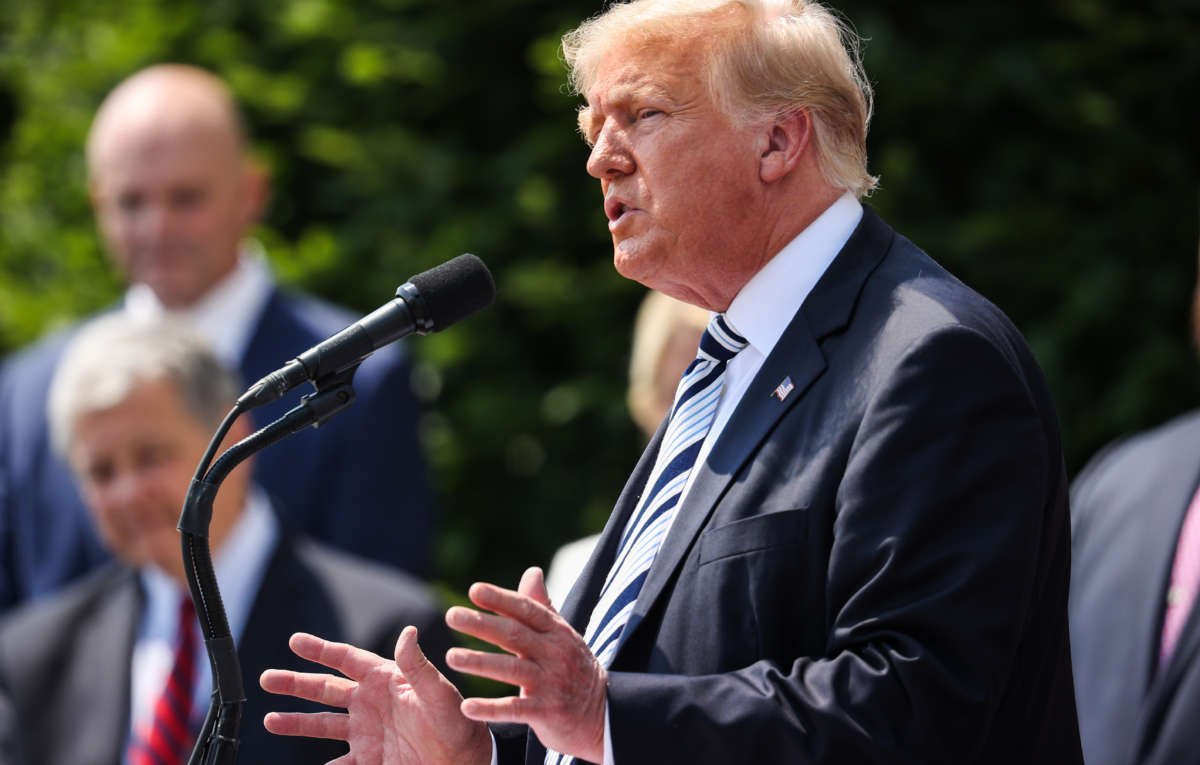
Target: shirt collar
{"x": 226, "y": 314}
{"x": 764, "y": 307}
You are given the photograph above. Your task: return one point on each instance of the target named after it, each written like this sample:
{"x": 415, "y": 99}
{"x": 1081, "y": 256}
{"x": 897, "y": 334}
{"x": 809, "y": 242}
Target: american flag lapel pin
{"x": 784, "y": 388}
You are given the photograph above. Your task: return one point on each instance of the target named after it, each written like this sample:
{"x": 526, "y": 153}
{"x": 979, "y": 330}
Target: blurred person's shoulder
{"x": 353, "y": 579}
{"x": 32, "y": 365}
{"x": 51, "y": 626}
{"x": 1139, "y": 466}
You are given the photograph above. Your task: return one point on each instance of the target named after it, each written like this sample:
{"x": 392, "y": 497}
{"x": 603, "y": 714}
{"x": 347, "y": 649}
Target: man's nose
{"x": 610, "y": 154}
{"x": 153, "y": 222}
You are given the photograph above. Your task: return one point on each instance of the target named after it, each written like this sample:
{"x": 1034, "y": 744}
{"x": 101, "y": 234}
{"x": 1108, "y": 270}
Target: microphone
{"x": 428, "y": 302}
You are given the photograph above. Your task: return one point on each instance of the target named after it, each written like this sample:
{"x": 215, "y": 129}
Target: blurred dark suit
{"x": 64, "y": 661}
{"x": 1127, "y": 507}
{"x": 359, "y": 484}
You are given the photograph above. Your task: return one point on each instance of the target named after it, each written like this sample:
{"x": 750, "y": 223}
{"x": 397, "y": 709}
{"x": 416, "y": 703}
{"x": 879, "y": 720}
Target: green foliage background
{"x": 1045, "y": 152}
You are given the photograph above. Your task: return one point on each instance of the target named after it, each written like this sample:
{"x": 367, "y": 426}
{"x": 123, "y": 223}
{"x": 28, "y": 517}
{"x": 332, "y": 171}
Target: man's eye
{"x": 647, "y": 113}
{"x": 129, "y": 202}
{"x": 100, "y": 474}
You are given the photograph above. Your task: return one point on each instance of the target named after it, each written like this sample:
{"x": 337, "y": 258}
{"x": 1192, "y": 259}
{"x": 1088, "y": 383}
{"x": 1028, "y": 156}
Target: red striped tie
{"x": 168, "y": 738}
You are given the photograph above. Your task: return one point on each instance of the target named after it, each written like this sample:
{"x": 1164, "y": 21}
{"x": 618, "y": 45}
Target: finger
{"x": 424, "y": 678}
{"x": 533, "y": 585}
{"x": 520, "y": 709}
{"x": 324, "y": 689}
{"x": 514, "y": 605}
{"x": 333, "y": 725}
{"x": 496, "y": 666}
{"x": 350, "y": 661}
{"x": 509, "y": 634}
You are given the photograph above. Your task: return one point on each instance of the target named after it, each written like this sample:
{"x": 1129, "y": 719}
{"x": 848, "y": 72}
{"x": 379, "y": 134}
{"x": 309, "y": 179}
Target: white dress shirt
{"x": 240, "y": 564}
{"x": 226, "y": 315}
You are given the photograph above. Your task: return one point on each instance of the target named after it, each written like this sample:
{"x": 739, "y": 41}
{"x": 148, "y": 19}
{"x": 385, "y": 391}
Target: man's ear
{"x": 256, "y": 191}
{"x": 787, "y": 140}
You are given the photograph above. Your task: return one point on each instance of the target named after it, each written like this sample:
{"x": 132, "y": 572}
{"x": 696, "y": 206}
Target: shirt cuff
{"x": 608, "y": 753}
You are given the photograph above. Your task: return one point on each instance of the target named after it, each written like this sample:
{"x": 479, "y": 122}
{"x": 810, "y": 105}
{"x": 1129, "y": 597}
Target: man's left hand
{"x": 562, "y": 684}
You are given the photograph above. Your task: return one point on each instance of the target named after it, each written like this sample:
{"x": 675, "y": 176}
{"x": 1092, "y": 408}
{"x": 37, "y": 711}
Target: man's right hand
{"x": 398, "y": 713}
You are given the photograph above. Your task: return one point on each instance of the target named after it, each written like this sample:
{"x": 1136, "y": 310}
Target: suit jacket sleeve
{"x": 931, "y": 580}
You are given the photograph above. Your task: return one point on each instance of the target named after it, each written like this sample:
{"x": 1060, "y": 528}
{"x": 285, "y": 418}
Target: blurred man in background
{"x": 176, "y": 194}
{"x": 1135, "y": 572}
{"x": 84, "y": 674}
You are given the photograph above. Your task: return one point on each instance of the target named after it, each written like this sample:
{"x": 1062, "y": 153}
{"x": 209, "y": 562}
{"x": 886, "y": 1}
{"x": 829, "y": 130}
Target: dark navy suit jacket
{"x": 64, "y": 661}
{"x": 872, "y": 570}
{"x": 358, "y": 483}
{"x": 1127, "y": 508}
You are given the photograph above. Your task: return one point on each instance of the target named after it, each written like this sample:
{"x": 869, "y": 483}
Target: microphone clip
{"x": 334, "y": 394}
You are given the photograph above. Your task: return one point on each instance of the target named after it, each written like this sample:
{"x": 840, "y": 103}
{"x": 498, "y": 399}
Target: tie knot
{"x": 720, "y": 342}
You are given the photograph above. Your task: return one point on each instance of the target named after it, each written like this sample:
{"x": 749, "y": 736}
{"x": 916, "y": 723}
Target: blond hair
{"x": 665, "y": 336}
{"x": 763, "y": 59}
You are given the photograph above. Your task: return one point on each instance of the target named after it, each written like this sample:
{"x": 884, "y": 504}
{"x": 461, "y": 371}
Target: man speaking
{"x": 848, "y": 542}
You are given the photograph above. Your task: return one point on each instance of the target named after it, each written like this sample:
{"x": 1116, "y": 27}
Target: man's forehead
{"x": 656, "y": 73}
{"x": 172, "y": 149}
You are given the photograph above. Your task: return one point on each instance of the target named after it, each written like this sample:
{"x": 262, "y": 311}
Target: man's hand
{"x": 398, "y": 713}
{"x": 562, "y": 685}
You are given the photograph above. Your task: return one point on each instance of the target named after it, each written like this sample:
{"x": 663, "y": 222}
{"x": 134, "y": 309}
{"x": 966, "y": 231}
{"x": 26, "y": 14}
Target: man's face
{"x": 173, "y": 208}
{"x": 135, "y": 463}
{"x": 680, "y": 182}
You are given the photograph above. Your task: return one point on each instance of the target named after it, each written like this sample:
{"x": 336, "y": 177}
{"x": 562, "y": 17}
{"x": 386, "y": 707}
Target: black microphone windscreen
{"x": 455, "y": 289}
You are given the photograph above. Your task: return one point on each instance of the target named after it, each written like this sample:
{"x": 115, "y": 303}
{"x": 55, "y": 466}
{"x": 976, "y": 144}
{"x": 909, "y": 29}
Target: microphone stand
{"x": 217, "y": 741}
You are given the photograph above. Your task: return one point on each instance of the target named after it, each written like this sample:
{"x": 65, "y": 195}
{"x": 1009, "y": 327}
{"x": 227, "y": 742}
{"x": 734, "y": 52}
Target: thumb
{"x": 424, "y": 678}
{"x": 533, "y": 585}
{"x": 417, "y": 669}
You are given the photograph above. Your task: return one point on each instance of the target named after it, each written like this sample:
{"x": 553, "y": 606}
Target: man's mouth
{"x": 615, "y": 209}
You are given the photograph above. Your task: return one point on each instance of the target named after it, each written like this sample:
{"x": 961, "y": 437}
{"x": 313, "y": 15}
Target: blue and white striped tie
{"x": 696, "y": 401}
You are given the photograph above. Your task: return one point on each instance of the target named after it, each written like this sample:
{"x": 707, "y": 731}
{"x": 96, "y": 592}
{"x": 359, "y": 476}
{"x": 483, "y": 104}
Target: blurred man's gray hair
{"x": 114, "y": 354}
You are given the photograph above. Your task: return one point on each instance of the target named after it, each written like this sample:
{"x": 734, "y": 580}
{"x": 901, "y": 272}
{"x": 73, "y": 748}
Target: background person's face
{"x": 135, "y": 463}
{"x": 173, "y": 209}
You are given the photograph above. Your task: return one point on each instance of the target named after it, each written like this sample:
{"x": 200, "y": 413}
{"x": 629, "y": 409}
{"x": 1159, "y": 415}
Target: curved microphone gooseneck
{"x": 428, "y": 302}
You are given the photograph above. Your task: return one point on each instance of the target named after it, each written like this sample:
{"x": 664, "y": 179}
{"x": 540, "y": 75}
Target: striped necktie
{"x": 696, "y": 401}
{"x": 167, "y": 740}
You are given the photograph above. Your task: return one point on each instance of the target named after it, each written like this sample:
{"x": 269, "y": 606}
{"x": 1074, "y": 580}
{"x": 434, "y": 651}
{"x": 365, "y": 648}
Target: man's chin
{"x": 634, "y": 265}
{"x": 171, "y": 293}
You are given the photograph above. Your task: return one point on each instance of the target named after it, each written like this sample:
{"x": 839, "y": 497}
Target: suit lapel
{"x": 1159, "y": 552}
{"x": 103, "y": 675}
{"x": 796, "y": 357}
